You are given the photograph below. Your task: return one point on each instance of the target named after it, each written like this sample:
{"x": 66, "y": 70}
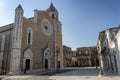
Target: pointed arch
{"x": 47, "y": 59}
{"x": 28, "y": 59}
{"x": 29, "y": 36}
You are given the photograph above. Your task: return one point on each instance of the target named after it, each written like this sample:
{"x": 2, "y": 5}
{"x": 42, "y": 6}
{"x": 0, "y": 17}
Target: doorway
{"x": 27, "y": 64}
{"x": 46, "y": 63}
{"x": 58, "y": 64}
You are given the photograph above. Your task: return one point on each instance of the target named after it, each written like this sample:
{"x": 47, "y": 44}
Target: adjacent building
{"x": 31, "y": 43}
{"x": 74, "y": 59}
{"x": 87, "y": 56}
{"x": 109, "y": 50}
{"x": 67, "y": 56}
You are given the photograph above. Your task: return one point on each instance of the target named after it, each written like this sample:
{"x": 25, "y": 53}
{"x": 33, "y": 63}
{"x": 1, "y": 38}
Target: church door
{"x": 46, "y": 63}
{"x": 58, "y": 64}
{"x": 27, "y": 64}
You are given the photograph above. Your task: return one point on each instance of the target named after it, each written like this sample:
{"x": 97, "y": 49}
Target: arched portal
{"x": 59, "y": 61}
{"x": 46, "y": 59}
{"x": 28, "y": 59}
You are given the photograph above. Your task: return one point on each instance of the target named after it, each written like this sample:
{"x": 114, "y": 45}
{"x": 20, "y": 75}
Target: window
{"x": 79, "y": 52}
{"x": 53, "y": 16}
{"x": 46, "y": 54}
{"x": 18, "y": 20}
{"x": 46, "y": 27}
{"x": 86, "y": 52}
{"x": 29, "y": 36}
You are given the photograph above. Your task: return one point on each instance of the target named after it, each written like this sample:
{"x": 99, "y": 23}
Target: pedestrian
{"x": 25, "y": 71}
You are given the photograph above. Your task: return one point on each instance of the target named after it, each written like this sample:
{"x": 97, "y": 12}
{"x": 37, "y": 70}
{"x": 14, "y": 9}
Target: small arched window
{"x": 29, "y": 36}
{"x": 53, "y": 16}
{"x": 46, "y": 27}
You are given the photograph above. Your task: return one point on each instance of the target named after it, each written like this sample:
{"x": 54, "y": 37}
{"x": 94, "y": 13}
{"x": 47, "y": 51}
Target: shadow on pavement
{"x": 71, "y": 72}
{"x": 57, "y": 72}
{"x": 81, "y": 72}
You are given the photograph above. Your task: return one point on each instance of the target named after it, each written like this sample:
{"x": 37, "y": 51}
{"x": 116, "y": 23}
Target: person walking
{"x": 25, "y": 71}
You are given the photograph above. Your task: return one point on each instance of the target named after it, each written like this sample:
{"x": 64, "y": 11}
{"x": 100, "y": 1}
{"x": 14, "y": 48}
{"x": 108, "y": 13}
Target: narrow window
{"x": 46, "y": 28}
{"x": 29, "y": 37}
{"x": 53, "y": 16}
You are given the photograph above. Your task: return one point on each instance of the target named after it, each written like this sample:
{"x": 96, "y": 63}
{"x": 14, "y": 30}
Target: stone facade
{"x": 74, "y": 59}
{"x": 87, "y": 56}
{"x": 109, "y": 50}
{"x": 67, "y": 53}
{"x": 31, "y": 43}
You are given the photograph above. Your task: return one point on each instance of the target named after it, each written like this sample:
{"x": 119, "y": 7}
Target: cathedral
{"x": 31, "y": 43}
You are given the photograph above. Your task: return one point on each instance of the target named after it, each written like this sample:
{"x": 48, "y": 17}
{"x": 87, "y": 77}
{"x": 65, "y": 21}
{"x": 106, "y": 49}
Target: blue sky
{"x": 82, "y": 20}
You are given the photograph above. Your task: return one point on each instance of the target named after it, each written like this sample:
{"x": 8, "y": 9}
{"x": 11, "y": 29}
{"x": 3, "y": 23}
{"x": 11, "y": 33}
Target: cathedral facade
{"x": 31, "y": 43}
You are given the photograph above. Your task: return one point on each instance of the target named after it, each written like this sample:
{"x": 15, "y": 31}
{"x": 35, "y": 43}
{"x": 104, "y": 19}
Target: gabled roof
{"x": 19, "y": 7}
{"x": 6, "y": 27}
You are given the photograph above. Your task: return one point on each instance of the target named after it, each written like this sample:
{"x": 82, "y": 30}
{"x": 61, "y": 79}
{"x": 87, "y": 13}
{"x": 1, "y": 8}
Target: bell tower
{"x": 16, "y": 41}
{"x": 53, "y": 11}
